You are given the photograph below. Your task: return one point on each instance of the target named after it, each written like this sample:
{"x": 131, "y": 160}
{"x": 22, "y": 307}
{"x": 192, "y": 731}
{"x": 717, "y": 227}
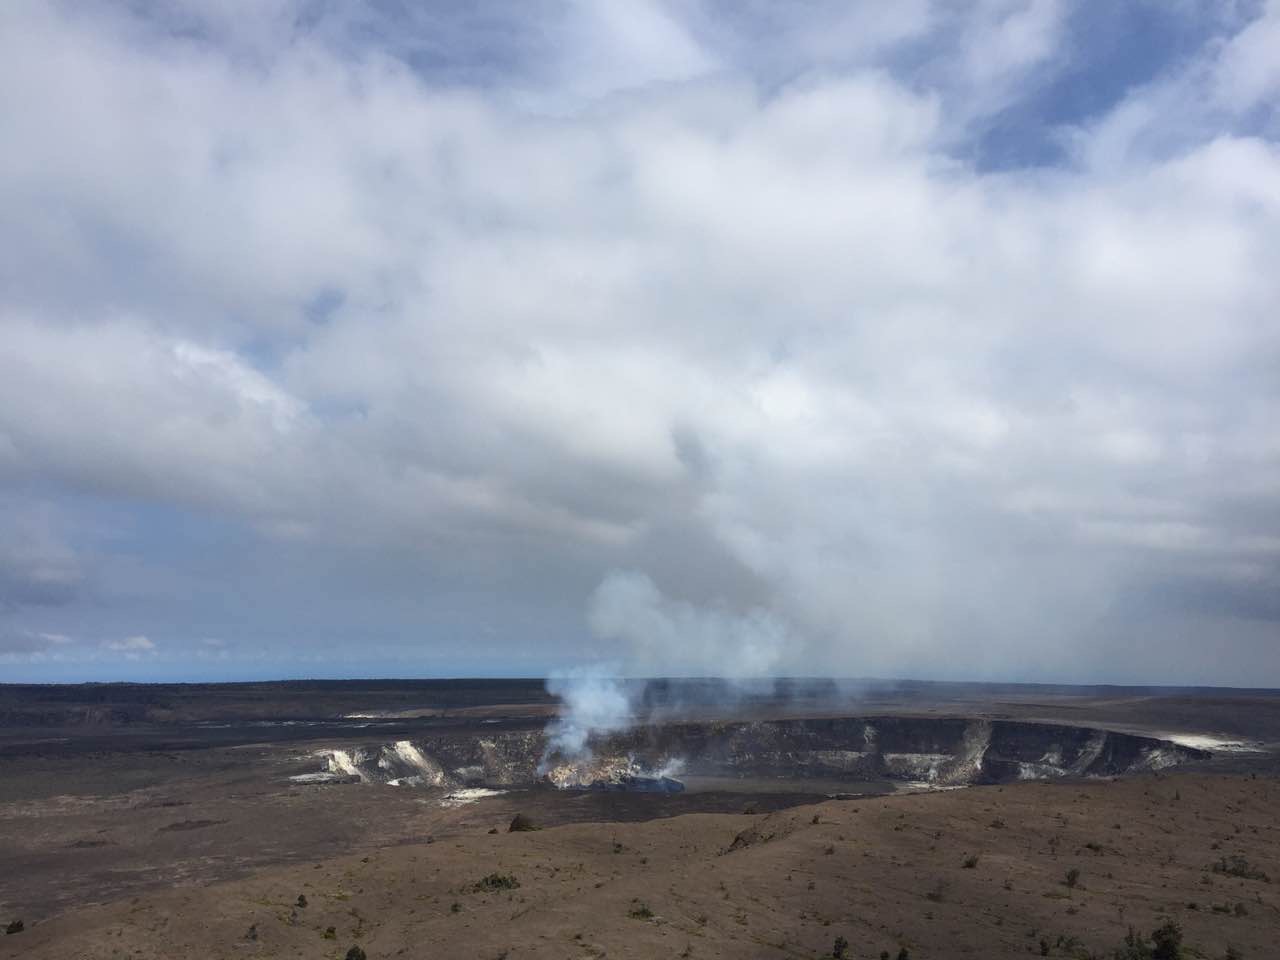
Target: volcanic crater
{"x": 853, "y": 751}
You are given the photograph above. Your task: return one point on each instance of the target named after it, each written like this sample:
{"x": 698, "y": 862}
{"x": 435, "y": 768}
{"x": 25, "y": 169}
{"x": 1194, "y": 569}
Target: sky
{"x": 924, "y": 339}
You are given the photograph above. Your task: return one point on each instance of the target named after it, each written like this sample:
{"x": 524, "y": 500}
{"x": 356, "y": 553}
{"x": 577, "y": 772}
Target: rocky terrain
{"x": 1041, "y": 869}
{"x": 945, "y": 827}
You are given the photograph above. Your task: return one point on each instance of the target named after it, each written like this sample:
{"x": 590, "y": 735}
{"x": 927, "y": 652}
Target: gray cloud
{"x": 132, "y": 647}
{"x": 37, "y": 567}
{"x": 647, "y": 300}
{"x": 25, "y": 643}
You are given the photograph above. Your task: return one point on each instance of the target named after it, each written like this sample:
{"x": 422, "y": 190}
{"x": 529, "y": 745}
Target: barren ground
{"x": 138, "y": 841}
{"x": 883, "y": 873}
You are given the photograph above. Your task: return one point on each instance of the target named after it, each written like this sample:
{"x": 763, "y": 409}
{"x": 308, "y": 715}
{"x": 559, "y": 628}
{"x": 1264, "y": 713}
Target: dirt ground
{"x": 84, "y": 829}
{"x": 978, "y": 872}
{"x": 139, "y": 838}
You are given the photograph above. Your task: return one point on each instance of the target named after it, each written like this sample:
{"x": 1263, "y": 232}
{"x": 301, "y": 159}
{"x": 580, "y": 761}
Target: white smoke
{"x": 593, "y": 700}
{"x": 659, "y": 636}
{"x": 653, "y": 635}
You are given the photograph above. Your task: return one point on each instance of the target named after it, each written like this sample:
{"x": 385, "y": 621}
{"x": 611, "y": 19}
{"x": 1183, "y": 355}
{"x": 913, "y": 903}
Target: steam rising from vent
{"x": 654, "y": 636}
{"x": 593, "y": 702}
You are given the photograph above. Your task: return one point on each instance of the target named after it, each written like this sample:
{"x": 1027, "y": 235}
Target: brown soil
{"x": 141, "y": 823}
{"x": 883, "y": 873}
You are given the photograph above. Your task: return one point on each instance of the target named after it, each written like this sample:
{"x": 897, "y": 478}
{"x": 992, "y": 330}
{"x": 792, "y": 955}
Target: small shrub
{"x": 496, "y": 881}
{"x": 1073, "y": 877}
{"x": 14, "y": 926}
{"x": 839, "y": 947}
{"x": 970, "y": 862}
{"x": 904, "y": 954}
{"x": 521, "y": 824}
{"x": 1238, "y": 866}
{"x": 1134, "y": 948}
{"x": 997, "y": 824}
{"x": 641, "y": 911}
{"x": 330, "y": 933}
{"x": 1044, "y": 947}
{"x": 355, "y": 953}
{"x": 1241, "y": 910}
{"x": 1166, "y": 942}
{"x": 454, "y": 907}
{"x": 302, "y": 900}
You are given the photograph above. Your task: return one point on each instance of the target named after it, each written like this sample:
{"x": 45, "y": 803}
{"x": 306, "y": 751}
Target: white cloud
{"x": 131, "y": 646}
{"x": 1247, "y": 73}
{"x": 900, "y": 403}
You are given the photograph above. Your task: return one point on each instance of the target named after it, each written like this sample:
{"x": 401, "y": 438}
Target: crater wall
{"x": 938, "y": 751}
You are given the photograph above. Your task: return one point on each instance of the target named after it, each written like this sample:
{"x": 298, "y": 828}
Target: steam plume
{"x": 663, "y": 637}
{"x": 594, "y": 701}
{"x": 655, "y": 636}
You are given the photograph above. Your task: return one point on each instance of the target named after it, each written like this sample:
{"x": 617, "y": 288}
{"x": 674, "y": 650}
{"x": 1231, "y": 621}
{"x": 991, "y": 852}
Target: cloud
{"x": 132, "y": 647}
{"x": 37, "y": 567}
{"x": 22, "y": 642}
{"x": 649, "y": 318}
